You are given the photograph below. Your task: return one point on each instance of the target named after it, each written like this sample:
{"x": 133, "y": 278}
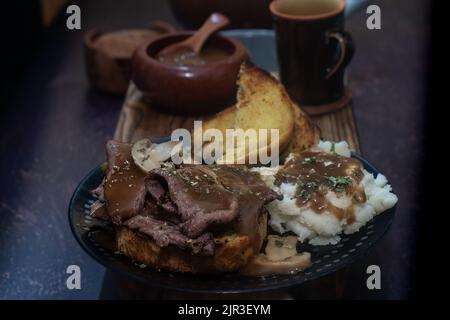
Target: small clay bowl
{"x": 188, "y": 90}
{"x": 108, "y": 55}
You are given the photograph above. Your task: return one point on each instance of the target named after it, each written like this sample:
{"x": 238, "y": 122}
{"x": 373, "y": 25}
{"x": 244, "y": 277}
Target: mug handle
{"x": 346, "y": 50}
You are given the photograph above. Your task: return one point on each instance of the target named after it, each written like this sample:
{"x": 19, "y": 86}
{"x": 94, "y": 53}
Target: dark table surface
{"x": 54, "y": 129}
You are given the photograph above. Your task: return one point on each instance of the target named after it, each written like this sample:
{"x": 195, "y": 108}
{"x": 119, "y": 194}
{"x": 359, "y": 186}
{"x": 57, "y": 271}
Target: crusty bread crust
{"x": 232, "y": 252}
{"x": 306, "y": 133}
{"x": 263, "y": 103}
{"x": 222, "y": 121}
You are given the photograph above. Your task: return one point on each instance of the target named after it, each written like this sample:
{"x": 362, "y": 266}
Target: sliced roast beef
{"x": 124, "y": 189}
{"x": 208, "y": 195}
{"x": 199, "y": 198}
{"x": 158, "y": 190}
{"x": 253, "y": 194}
{"x": 100, "y": 191}
{"x": 240, "y": 180}
{"x": 165, "y": 233}
{"x": 151, "y": 208}
{"x": 182, "y": 206}
{"x": 98, "y": 208}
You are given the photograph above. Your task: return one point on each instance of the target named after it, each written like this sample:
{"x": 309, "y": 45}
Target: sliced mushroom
{"x": 148, "y": 155}
{"x": 280, "y": 248}
{"x": 261, "y": 266}
{"x": 163, "y": 151}
{"x": 281, "y": 258}
{"x": 141, "y": 155}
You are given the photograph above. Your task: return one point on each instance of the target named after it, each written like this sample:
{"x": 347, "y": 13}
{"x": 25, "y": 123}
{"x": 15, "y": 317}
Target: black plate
{"x": 96, "y": 237}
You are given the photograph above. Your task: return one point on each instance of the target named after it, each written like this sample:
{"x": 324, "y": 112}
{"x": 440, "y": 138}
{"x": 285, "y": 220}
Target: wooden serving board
{"x": 138, "y": 119}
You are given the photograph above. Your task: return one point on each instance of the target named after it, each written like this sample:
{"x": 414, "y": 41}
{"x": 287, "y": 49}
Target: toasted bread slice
{"x": 262, "y": 103}
{"x": 222, "y": 121}
{"x": 232, "y": 251}
{"x": 306, "y": 133}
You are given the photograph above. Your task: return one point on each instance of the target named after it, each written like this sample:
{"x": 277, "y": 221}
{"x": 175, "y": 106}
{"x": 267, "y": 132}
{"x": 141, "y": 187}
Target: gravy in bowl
{"x": 185, "y": 57}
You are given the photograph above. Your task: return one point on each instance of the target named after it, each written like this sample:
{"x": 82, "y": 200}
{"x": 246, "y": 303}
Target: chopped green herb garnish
{"x": 172, "y": 173}
{"x": 311, "y": 185}
{"x": 338, "y": 182}
{"x": 333, "y": 147}
{"x": 309, "y": 160}
{"x": 245, "y": 169}
{"x": 279, "y": 243}
{"x": 304, "y": 194}
{"x": 359, "y": 174}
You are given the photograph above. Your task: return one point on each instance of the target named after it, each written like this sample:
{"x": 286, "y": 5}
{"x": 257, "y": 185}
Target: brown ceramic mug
{"x": 313, "y": 51}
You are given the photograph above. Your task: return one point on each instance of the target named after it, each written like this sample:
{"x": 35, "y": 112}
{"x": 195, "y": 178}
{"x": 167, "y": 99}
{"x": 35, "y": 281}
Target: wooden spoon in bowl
{"x": 194, "y": 43}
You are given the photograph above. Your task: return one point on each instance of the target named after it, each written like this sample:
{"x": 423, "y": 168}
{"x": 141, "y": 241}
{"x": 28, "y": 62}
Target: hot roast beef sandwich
{"x": 194, "y": 218}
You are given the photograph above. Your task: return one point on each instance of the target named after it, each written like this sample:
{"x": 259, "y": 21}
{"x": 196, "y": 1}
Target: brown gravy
{"x": 316, "y": 173}
{"x": 124, "y": 183}
{"x": 185, "y": 57}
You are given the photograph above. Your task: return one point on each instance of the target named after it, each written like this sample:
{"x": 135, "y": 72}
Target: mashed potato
{"x": 324, "y": 228}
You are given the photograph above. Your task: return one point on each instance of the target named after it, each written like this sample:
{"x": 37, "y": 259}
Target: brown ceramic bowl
{"x": 108, "y": 54}
{"x": 188, "y": 90}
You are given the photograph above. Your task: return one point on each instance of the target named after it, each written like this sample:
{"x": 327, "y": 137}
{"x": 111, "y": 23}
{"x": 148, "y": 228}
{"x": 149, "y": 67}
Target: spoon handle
{"x": 215, "y": 22}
